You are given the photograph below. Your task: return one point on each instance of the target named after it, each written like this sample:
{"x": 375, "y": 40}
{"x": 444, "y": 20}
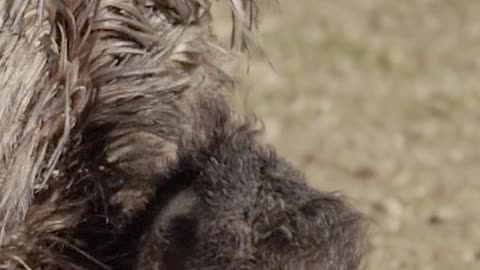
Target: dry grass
{"x": 381, "y": 100}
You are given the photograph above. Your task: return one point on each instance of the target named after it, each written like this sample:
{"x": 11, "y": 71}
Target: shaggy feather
{"x": 69, "y": 68}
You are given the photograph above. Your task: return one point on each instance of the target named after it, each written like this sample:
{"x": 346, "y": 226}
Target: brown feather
{"x": 69, "y": 68}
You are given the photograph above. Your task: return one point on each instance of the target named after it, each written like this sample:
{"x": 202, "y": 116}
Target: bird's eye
{"x": 182, "y": 231}
{"x": 182, "y": 238}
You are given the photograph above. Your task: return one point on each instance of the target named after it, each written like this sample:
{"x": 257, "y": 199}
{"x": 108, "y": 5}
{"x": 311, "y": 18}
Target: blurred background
{"x": 380, "y": 100}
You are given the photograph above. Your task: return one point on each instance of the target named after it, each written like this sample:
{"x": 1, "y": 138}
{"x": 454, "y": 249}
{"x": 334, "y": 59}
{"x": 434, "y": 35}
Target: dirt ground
{"x": 380, "y": 100}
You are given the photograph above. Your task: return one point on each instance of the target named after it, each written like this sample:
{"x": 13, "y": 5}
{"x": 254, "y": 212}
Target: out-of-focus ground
{"x": 380, "y": 100}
